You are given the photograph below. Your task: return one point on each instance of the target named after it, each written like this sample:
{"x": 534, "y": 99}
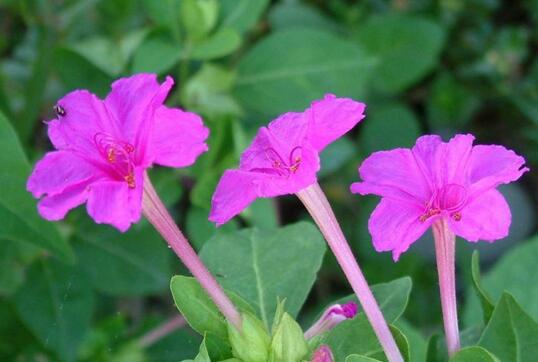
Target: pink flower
{"x": 284, "y": 157}
{"x": 323, "y": 354}
{"x": 103, "y": 148}
{"x": 452, "y": 180}
{"x": 332, "y": 316}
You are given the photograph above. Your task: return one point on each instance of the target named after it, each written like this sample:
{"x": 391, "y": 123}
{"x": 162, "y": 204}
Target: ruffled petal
{"x": 132, "y": 103}
{"x": 453, "y": 160}
{"x": 178, "y": 137}
{"x": 114, "y": 203}
{"x": 490, "y": 166}
{"x": 330, "y": 118}
{"x": 487, "y": 217}
{"x": 393, "y": 174}
{"x": 395, "y": 225}
{"x": 84, "y": 116}
{"x": 235, "y": 191}
{"x": 55, "y": 207}
{"x": 57, "y": 171}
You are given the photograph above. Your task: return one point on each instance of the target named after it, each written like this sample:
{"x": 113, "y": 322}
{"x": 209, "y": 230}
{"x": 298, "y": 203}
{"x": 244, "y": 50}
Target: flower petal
{"x": 114, "y": 203}
{"x": 393, "y": 174}
{"x": 453, "y": 160}
{"x": 178, "y": 137}
{"x": 84, "y": 116}
{"x": 235, "y": 191}
{"x": 57, "y": 171}
{"x": 490, "y": 166}
{"x": 395, "y": 225}
{"x": 487, "y": 217}
{"x": 133, "y": 102}
{"x": 330, "y": 118}
{"x": 55, "y": 207}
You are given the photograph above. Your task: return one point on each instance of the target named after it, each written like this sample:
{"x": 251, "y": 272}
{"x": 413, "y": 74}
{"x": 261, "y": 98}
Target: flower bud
{"x": 332, "y": 316}
{"x": 323, "y": 354}
{"x": 288, "y": 343}
{"x": 252, "y": 343}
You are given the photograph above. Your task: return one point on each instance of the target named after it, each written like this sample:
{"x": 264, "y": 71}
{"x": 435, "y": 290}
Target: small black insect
{"x": 59, "y": 110}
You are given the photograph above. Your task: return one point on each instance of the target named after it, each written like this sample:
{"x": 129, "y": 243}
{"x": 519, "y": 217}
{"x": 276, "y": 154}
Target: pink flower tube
{"x": 449, "y": 186}
{"x": 103, "y": 149}
{"x": 284, "y": 159}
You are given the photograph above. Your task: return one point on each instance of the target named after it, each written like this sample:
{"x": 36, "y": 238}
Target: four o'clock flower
{"x": 284, "y": 159}
{"x": 449, "y": 186}
{"x": 103, "y": 148}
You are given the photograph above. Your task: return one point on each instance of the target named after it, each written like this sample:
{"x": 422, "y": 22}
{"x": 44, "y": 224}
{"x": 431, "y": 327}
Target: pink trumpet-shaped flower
{"x": 434, "y": 180}
{"x": 104, "y": 146}
{"x": 332, "y": 316}
{"x": 284, "y": 157}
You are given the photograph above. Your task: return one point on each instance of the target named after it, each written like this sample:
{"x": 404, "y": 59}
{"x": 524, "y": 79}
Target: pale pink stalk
{"x": 162, "y": 331}
{"x": 445, "y": 250}
{"x": 154, "y": 210}
{"x": 317, "y": 205}
{"x": 332, "y": 316}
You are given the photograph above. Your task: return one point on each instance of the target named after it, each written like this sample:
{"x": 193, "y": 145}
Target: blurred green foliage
{"x": 78, "y": 291}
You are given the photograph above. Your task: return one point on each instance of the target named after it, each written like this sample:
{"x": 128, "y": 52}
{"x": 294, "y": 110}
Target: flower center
{"x": 450, "y": 198}
{"x": 118, "y": 155}
{"x": 279, "y": 165}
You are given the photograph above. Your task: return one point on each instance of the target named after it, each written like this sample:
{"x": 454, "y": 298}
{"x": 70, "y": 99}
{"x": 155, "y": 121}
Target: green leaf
{"x": 76, "y": 72}
{"x": 359, "y": 358}
{"x": 134, "y": 263}
{"x": 56, "y": 304}
{"x": 203, "y": 354}
{"x": 511, "y": 274}
{"x": 14, "y": 257}
{"x": 474, "y": 354}
{"x": 407, "y": 47}
{"x": 198, "y": 309}
{"x": 218, "y": 45}
{"x": 485, "y": 299}
{"x": 290, "y": 14}
{"x": 511, "y": 334}
{"x": 356, "y": 336}
{"x": 278, "y": 263}
{"x": 241, "y": 15}
{"x": 288, "y": 69}
{"x": 158, "y": 53}
{"x": 336, "y": 155}
{"x": 18, "y": 210}
{"x": 198, "y": 17}
{"x": 389, "y": 126}
{"x": 110, "y": 56}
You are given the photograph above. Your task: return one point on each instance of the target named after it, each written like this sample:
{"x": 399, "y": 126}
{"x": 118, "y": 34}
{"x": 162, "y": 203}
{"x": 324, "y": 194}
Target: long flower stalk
{"x": 317, "y": 205}
{"x": 445, "y": 250}
{"x": 156, "y": 213}
{"x": 162, "y": 331}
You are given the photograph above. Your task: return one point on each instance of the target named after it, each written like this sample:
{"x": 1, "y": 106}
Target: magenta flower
{"x": 103, "y": 148}
{"x": 454, "y": 181}
{"x": 284, "y": 157}
{"x": 331, "y": 317}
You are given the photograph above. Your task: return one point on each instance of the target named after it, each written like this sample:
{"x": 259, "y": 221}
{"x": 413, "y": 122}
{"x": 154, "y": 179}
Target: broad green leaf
{"x": 56, "y": 304}
{"x": 164, "y": 12}
{"x": 290, "y": 14}
{"x": 241, "y": 15}
{"x": 110, "y": 56}
{"x": 198, "y": 17}
{"x": 474, "y": 354}
{"x": 434, "y": 353}
{"x": 218, "y": 45}
{"x": 18, "y": 209}
{"x": 203, "y": 354}
{"x": 510, "y": 274}
{"x": 264, "y": 265}
{"x": 157, "y": 53}
{"x": 177, "y": 346}
{"x": 262, "y": 213}
{"x": 417, "y": 341}
{"x": 199, "y": 229}
{"x": 288, "y": 69}
{"x": 389, "y": 126}
{"x": 511, "y": 334}
{"x": 198, "y": 309}
{"x": 76, "y": 72}
{"x": 485, "y": 299}
{"x": 407, "y": 47}
{"x": 134, "y": 263}
{"x": 14, "y": 257}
